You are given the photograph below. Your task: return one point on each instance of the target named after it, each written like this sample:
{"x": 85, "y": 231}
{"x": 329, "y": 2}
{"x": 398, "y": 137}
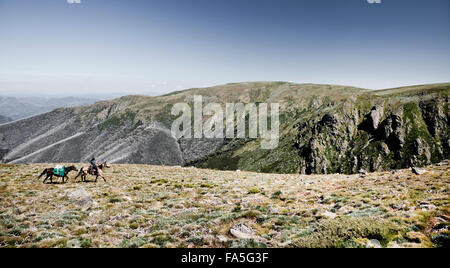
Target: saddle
{"x": 91, "y": 171}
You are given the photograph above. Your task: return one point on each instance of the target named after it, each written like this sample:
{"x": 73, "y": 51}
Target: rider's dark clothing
{"x": 94, "y": 165}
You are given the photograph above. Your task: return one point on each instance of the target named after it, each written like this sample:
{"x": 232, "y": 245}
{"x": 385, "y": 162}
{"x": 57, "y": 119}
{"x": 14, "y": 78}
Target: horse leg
{"x": 67, "y": 177}
{"x": 104, "y": 178}
{"x": 49, "y": 176}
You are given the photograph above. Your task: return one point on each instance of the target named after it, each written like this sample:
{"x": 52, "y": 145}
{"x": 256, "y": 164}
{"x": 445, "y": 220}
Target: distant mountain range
{"x": 4, "y": 119}
{"x": 323, "y": 129}
{"x": 17, "y": 108}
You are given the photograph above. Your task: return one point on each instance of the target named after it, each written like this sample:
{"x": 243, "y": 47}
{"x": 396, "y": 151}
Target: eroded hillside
{"x": 324, "y": 129}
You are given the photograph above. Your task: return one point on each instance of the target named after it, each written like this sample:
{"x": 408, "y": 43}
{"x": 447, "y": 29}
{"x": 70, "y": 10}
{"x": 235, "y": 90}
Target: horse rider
{"x": 94, "y": 165}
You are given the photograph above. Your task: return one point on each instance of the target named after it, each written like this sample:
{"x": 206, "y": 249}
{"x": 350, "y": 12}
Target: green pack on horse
{"x": 59, "y": 171}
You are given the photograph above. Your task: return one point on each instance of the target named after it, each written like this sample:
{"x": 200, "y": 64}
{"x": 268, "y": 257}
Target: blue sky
{"x": 119, "y": 47}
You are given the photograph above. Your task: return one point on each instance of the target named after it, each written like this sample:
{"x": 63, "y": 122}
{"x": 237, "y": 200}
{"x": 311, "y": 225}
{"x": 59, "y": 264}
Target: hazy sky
{"x": 151, "y": 47}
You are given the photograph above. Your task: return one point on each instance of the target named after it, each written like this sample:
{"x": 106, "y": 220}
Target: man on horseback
{"x": 93, "y": 168}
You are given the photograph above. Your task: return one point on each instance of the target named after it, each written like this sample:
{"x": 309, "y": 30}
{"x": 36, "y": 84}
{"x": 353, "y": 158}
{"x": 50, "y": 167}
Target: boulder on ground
{"x": 329, "y": 215}
{"x": 242, "y": 231}
{"x": 418, "y": 171}
{"x": 373, "y": 243}
{"x": 362, "y": 173}
{"x": 81, "y": 197}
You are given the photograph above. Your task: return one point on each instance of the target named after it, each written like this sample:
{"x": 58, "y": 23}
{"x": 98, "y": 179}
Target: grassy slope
{"x": 151, "y": 206}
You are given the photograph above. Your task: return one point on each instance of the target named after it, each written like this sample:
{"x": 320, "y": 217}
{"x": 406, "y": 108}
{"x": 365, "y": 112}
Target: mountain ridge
{"x": 4, "y": 119}
{"x": 17, "y": 108}
{"x": 324, "y": 129}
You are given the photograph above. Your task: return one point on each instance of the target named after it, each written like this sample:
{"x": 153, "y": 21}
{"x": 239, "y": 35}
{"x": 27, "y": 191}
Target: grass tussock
{"x": 346, "y": 232}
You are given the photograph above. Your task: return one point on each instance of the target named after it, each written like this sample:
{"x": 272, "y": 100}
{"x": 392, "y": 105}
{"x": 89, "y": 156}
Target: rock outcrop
{"x": 399, "y": 137}
{"x": 81, "y": 198}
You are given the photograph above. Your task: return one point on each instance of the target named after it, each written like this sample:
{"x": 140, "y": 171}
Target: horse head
{"x": 72, "y": 168}
{"x": 104, "y": 165}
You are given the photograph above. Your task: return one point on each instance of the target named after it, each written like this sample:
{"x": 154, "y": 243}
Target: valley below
{"x": 159, "y": 206}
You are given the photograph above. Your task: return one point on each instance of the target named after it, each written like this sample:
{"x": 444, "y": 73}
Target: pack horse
{"x": 58, "y": 171}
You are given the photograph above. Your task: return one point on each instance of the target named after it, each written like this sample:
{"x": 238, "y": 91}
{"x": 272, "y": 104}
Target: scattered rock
{"x": 362, "y": 173}
{"x": 418, "y": 171}
{"x": 272, "y": 210}
{"x": 401, "y": 206}
{"x": 373, "y": 243}
{"x": 222, "y": 239}
{"x": 426, "y": 206}
{"x": 346, "y": 210}
{"x": 81, "y": 197}
{"x": 74, "y": 243}
{"x": 242, "y": 231}
{"x": 285, "y": 244}
{"x": 329, "y": 215}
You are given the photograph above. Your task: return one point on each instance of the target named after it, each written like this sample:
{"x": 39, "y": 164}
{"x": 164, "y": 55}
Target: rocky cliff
{"x": 324, "y": 129}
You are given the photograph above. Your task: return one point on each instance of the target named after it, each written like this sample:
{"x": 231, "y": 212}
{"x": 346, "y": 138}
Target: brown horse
{"x": 84, "y": 171}
{"x": 50, "y": 174}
